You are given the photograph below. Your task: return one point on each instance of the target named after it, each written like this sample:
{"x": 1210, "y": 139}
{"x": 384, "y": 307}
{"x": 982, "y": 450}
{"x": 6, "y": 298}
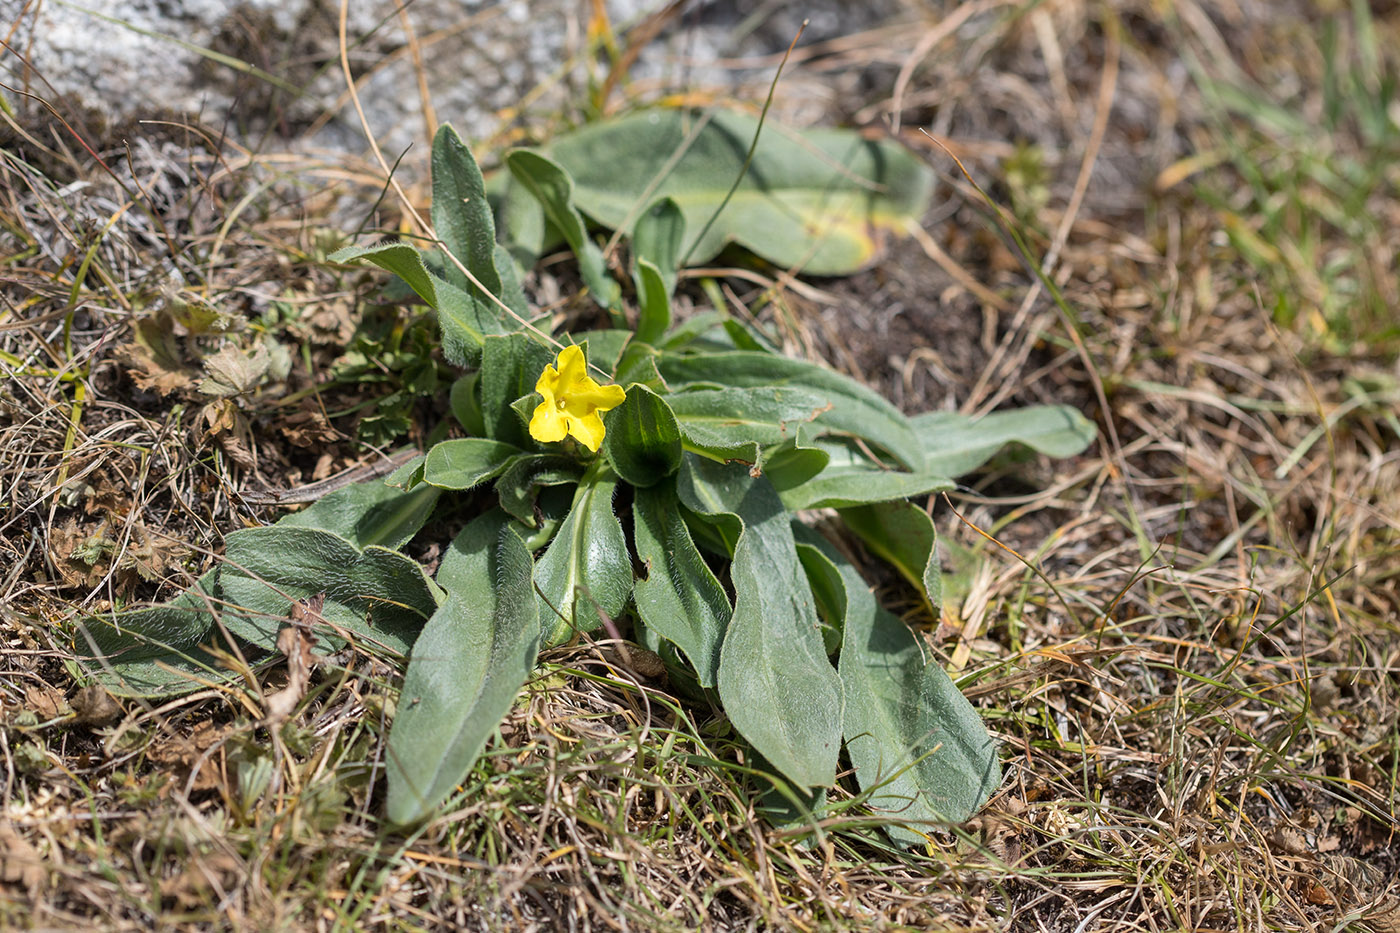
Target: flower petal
{"x": 548, "y": 423}
{"x": 572, "y": 368}
{"x": 548, "y": 383}
{"x": 583, "y": 400}
{"x": 588, "y": 430}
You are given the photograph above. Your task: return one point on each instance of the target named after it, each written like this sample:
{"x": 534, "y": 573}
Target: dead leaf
{"x": 20, "y": 863}
{"x": 46, "y": 702}
{"x": 307, "y": 428}
{"x": 234, "y": 372}
{"x": 1318, "y": 894}
{"x": 1287, "y": 841}
{"x": 296, "y": 643}
{"x": 190, "y": 755}
{"x": 95, "y": 706}
{"x": 154, "y": 359}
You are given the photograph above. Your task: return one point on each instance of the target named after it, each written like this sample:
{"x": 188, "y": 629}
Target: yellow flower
{"x": 572, "y": 401}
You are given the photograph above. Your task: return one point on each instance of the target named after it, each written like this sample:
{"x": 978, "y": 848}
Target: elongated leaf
{"x": 918, "y": 747}
{"x": 902, "y": 534}
{"x": 465, "y": 463}
{"x": 378, "y": 596}
{"x": 956, "y": 444}
{"x": 643, "y": 441}
{"x": 552, "y": 187}
{"x": 654, "y": 303}
{"x": 461, "y": 214}
{"x": 465, "y": 321}
{"x": 855, "y": 409}
{"x": 656, "y": 239}
{"x": 848, "y": 478}
{"x": 778, "y": 688}
{"x": 466, "y": 668}
{"x": 465, "y": 402}
{"x": 678, "y": 596}
{"x": 586, "y": 569}
{"x": 399, "y": 258}
{"x": 156, "y": 652}
{"x": 463, "y": 318}
{"x": 818, "y": 199}
{"x": 371, "y": 512}
{"x": 736, "y": 423}
{"x": 510, "y": 367}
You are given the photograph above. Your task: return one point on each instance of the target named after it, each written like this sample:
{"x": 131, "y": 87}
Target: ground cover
{"x": 1185, "y": 638}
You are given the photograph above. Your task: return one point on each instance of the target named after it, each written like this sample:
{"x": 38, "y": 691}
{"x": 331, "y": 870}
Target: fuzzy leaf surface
{"x": 465, "y": 669}
{"x": 955, "y": 444}
{"x": 917, "y": 745}
{"x": 854, "y": 410}
{"x": 466, "y": 462}
{"x": 819, "y": 200}
{"x": 778, "y": 688}
{"x": 643, "y": 440}
{"x": 587, "y": 568}
{"x": 679, "y": 597}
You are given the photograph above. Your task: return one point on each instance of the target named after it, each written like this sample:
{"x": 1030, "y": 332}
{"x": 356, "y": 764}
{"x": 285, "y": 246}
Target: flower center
{"x": 559, "y": 404}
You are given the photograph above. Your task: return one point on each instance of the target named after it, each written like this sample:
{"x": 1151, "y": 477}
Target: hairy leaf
{"x": 677, "y": 596}
{"x": 918, "y": 747}
{"x": 854, "y": 409}
{"x": 466, "y": 668}
{"x": 819, "y": 200}
{"x": 643, "y": 441}
{"x": 467, "y": 462}
{"x": 956, "y": 444}
{"x": 778, "y": 688}
{"x": 586, "y": 569}
{"x": 903, "y": 534}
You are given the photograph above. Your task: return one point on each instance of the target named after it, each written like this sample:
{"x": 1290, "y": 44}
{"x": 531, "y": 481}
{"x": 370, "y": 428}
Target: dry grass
{"x": 1187, "y": 638}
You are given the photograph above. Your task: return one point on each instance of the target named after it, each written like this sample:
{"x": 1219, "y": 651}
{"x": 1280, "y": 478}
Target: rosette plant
{"x": 650, "y": 476}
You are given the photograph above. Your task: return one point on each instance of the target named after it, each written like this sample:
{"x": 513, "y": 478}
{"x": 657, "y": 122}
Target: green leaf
{"x": 956, "y": 444}
{"x": 399, "y": 258}
{"x": 677, "y": 596}
{"x": 466, "y": 668}
{"x": 826, "y": 585}
{"x": 552, "y": 187}
{"x": 586, "y": 570}
{"x": 378, "y": 596}
{"x": 519, "y": 483}
{"x": 465, "y": 463}
{"x": 778, "y": 688}
{"x": 510, "y": 367}
{"x": 918, "y": 747}
{"x": 603, "y": 348}
{"x": 156, "y": 652}
{"x": 654, "y": 303}
{"x": 461, "y": 213}
{"x": 368, "y": 513}
{"x": 643, "y": 441}
{"x": 903, "y": 535}
{"x": 815, "y": 199}
{"x": 656, "y": 239}
{"x": 463, "y": 318}
{"x": 465, "y": 321}
{"x": 849, "y": 478}
{"x": 638, "y": 364}
{"x": 737, "y": 423}
{"x": 854, "y": 410}
{"x": 465, "y": 402}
